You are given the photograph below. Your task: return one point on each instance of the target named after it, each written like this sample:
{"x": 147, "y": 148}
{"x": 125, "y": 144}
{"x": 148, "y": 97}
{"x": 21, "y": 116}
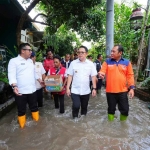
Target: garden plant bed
{"x": 143, "y": 94}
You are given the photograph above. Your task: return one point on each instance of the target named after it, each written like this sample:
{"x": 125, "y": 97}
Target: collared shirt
{"x": 65, "y": 63}
{"x": 97, "y": 64}
{"x": 22, "y": 72}
{"x": 65, "y": 74}
{"x": 81, "y": 71}
{"x": 119, "y": 75}
{"x": 39, "y": 71}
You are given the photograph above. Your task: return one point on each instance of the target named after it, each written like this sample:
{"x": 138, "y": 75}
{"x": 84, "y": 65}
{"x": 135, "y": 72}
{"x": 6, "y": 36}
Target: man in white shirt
{"x": 40, "y": 71}
{"x": 22, "y": 75}
{"x": 66, "y": 62}
{"x": 78, "y": 73}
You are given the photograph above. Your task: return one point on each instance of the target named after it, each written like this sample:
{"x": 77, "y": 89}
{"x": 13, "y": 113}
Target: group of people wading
{"x": 26, "y": 76}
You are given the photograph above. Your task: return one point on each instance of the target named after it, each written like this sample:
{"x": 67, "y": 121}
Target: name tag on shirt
{"x": 38, "y": 66}
{"x": 22, "y": 63}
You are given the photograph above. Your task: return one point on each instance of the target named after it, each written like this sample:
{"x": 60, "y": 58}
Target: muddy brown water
{"x": 60, "y": 132}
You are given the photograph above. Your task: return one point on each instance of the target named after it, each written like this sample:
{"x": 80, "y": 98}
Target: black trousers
{"x": 40, "y": 97}
{"x": 22, "y": 100}
{"x": 77, "y": 101}
{"x": 59, "y": 100}
{"x": 91, "y": 85}
{"x": 99, "y": 84}
{"x": 118, "y": 98}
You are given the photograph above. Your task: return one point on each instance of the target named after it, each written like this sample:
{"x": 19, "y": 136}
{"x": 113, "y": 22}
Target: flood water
{"x": 60, "y": 132}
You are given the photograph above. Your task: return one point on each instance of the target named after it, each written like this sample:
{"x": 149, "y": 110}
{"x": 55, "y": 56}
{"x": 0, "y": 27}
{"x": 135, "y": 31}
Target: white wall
{"x": 26, "y": 38}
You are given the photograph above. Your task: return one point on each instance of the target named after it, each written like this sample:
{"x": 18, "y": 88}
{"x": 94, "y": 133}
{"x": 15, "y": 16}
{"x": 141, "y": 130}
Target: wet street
{"x": 60, "y": 132}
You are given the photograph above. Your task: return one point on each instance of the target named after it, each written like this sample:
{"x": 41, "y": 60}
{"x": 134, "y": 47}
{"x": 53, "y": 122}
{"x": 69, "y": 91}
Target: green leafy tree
{"x": 62, "y": 41}
{"x": 58, "y": 12}
{"x": 123, "y": 34}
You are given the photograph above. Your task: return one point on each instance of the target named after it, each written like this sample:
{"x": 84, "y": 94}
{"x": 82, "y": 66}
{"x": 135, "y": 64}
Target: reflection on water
{"x": 55, "y": 131}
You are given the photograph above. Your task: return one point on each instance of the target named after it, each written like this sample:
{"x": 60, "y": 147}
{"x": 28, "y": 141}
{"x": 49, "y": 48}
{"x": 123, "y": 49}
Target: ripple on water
{"x": 56, "y": 131}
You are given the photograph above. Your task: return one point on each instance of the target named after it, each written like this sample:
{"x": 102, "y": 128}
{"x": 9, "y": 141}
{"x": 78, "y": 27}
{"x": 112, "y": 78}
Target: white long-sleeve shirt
{"x": 81, "y": 71}
{"x": 22, "y": 72}
{"x": 39, "y": 71}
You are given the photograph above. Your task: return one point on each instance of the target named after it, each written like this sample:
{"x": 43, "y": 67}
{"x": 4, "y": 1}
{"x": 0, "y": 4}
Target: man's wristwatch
{"x": 93, "y": 88}
{"x": 14, "y": 86}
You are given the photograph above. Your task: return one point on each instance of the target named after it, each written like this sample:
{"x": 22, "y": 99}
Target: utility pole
{"x": 109, "y": 26}
{"x": 142, "y": 42}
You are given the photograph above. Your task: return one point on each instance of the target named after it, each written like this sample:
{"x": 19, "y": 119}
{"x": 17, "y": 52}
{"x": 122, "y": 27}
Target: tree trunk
{"x": 142, "y": 42}
{"x": 23, "y": 18}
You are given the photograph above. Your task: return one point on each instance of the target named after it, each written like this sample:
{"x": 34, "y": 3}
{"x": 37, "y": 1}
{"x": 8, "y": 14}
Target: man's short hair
{"x": 57, "y": 57}
{"x": 86, "y": 49}
{"x": 67, "y": 54}
{"x": 49, "y": 50}
{"x": 99, "y": 55}
{"x": 22, "y": 46}
{"x": 120, "y": 48}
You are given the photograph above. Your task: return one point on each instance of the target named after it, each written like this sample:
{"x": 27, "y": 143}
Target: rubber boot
{"x": 110, "y": 117}
{"x": 22, "y": 121}
{"x": 123, "y": 117}
{"x": 35, "y": 115}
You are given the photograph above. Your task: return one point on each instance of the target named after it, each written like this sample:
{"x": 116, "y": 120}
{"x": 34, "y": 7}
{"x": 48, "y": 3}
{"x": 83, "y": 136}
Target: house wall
{"x": 25, "y": 37}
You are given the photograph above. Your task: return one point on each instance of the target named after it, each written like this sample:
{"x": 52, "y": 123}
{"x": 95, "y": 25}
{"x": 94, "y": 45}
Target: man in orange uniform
{"x": 119, "y": 78}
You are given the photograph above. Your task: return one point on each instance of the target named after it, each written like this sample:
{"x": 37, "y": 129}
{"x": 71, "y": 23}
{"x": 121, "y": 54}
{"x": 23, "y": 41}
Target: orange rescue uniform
{"x": 119, "y": 75}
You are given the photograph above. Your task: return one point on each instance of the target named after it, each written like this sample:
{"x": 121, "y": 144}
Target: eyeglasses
{"x": 81, "y": 52}
{"x": 28, "y": 50}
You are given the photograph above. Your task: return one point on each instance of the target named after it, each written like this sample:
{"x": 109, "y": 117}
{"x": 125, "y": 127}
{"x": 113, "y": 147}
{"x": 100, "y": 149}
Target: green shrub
{"x": 146, "y": 83}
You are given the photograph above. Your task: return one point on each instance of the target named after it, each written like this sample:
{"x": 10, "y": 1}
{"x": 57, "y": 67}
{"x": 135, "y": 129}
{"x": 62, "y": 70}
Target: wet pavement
{"x": 55, "y": 131}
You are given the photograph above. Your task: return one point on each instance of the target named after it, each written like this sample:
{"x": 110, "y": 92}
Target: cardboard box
{"x": 53, "y": 83}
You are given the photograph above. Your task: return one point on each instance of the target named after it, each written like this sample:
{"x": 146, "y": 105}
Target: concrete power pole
{"x": 109, "y": 26}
